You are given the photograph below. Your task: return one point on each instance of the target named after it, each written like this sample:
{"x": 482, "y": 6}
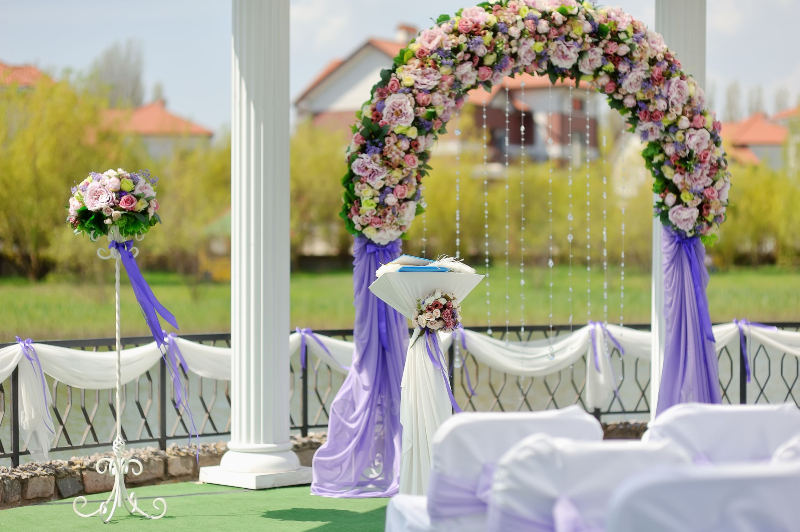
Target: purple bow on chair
{"x": 304, "y": 348}
{"x": 30, "y": 353}
{"x": 151, "y": 308}
{"x": 744, "y": 344}
{"x": 174, "y": 359}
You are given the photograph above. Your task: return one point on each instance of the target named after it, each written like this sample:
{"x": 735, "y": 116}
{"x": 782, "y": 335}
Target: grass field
{"x": 60, "y": 309}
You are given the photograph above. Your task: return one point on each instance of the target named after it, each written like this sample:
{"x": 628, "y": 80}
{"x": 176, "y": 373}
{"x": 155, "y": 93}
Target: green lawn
{"x": 60, "y": 309}
{"x": 199, "y": 507}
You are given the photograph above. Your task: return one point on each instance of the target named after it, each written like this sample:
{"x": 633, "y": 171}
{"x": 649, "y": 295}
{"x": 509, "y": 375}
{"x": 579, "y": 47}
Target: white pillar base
{"x": 255, "y": 481}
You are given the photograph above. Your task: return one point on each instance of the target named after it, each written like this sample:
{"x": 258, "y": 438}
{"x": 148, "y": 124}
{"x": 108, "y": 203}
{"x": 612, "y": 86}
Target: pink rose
{"x": 563, "y": 54}
{"x": 431, "y": 39}
{"x": 698, "y": 139}
{"x": 670, "y": 199}
{"x": 543, "y": 26}
{"x": 358, "y": 139}
{"x": 96, "y": 197}
{"x": 382, "y": 93}
{"x": 629, "y": 100}
{"x": 611, "y": 47}
{"x": 684, "y": 218}
{"x": 484, "y": 73}
{"x": 704, "y": 156}
{"x": 644, "y": 115}
{"x": 610, "y": 87}
{"x": 400, "y": 191}
{"x": 154, "y": 205}
{"x": 591, "y": 61}
{"x": 424, "y": 99}
{"x": 634, "y": 79}
{"x": 375, "y": 221}
{"x": 476, "y": 15}
{"x": 717, "y": 126}
{"x": 128, "y": 202}
{"x": 466, "y": 74}
{"x": 390, "y": 200}
{"x": 411, "y": 160}
{"x": 399, "y": 110}
{"x": 113, "y": 184}
{"x": 711, "y": 193}
{"x": 422, "y": 53}
{"x": 393, "y": 85}
{"x": 699, "y": 121}
{"x": 657, "y": 116}
{"x": 465, "y": 26}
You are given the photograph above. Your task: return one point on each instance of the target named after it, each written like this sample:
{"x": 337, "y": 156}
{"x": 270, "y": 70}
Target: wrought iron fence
{"x": 84, "y": 419}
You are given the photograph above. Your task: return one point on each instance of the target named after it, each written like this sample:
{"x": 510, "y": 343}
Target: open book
{"x": 410, "y": 263}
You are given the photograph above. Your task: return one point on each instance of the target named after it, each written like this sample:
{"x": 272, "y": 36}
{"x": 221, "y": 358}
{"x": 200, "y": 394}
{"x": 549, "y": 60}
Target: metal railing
{"x": 83, "y": 421}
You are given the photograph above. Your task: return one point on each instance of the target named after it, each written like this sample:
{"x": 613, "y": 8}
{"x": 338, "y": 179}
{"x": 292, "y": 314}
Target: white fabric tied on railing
{"x": 95, "y": 370}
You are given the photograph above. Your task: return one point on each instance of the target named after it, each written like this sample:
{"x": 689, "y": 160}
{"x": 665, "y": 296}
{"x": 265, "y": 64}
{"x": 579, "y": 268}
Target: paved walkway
{"x": 200, "y": 507}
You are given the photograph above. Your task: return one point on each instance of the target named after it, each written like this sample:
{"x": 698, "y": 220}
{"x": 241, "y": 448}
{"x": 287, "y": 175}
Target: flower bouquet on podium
{"x": 430, "y": 294}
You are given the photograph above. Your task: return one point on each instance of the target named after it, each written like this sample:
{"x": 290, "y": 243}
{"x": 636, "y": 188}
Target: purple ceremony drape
{"x": 690, "y": 372}
{"x": 362, "y": 455}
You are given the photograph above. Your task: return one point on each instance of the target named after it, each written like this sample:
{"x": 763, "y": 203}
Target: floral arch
{"x": 563, "y": 39}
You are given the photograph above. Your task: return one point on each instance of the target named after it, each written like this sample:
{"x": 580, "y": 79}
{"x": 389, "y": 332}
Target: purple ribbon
{"x": 390, "y": 249}
{"x": 437, "y": 360}
{"x": 565, "y": 518}
{"x": 463, "y": 339}
{"x": 150, "y": 306}
{"x": 688, "y": 245}
{"x": 743, "y": 345}
{"x": 30, "y": 353}
{"x": 303, "y": 348}
{"x": 592, "y": 326}
{"x": 450, "y": 497}
{"x": 174, "y": 359}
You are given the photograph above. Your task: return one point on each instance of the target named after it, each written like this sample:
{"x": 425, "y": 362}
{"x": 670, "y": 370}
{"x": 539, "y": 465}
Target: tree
{"x": 733, "y": 103}
{"x": 118, "y": 74}
{"x": 781, "y": 99}
{"x": 158, "y": 92}
{"x": 49, "y": 140}
{"x": 755, "y": 101}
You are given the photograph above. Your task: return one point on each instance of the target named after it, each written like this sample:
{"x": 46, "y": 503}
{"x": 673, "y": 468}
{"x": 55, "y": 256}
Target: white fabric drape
{"x": 95, "y": 370}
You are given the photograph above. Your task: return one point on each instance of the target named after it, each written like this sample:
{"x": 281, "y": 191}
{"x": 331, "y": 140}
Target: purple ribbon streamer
{"x": 174, "y": 359}
{"x": 592, "y": 326}
{"x": 303, "y": 347}
{"x": 30, "y": 353}
{"x": 433, "y": 338}
{"x": 150, "y": 306}
{"x": 743, "y": 344}
{"x": 688, "y": 245}
{"x": 450, "y": 497}
{"x": 464, "y": 346}
{"x": 390, "y": 249}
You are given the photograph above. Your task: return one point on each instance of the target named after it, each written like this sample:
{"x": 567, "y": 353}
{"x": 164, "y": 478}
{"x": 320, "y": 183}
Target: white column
{"x": 260, "y": 451}
{"x": 683, "y": 25}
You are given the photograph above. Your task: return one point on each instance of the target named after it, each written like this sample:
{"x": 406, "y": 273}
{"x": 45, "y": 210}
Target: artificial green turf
{"x": 200, "y": 507}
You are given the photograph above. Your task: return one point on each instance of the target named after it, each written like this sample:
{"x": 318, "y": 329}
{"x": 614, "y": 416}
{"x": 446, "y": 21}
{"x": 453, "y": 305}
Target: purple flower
{"x": 380, "y": 106}
{"x": 502, "y": 27}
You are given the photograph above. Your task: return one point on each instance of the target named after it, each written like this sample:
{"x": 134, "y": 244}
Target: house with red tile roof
{"x": 343, "y": 85}
{"x": 21, "y": 76}
{"x": 758, "y": 139}
{"x": 162, "y": 131}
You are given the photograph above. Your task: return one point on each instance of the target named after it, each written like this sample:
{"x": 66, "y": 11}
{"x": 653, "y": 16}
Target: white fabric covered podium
{"x": 727, "y": 433}
{"x": 727, "y": 498}
{"x": 465, "y": 449}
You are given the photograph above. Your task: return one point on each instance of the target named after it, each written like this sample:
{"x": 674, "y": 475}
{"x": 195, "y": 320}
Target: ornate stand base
{"x": 118, "y": 467}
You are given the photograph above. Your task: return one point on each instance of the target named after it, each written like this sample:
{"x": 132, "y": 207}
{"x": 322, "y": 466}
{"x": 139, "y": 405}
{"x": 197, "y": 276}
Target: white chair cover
{"x": 465, "y": 448}
{"x": 726, "y": 498}
{"x": 788, "y": 452}
{"x": 727, "y": 433}
{"x": 559, "y": 485}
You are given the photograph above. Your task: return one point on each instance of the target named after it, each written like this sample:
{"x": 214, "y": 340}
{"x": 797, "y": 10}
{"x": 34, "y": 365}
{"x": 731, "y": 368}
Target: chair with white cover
{"x": 559, "y": 485}
{"x": 746, "y": 497}
{"x": 722, "y": 434}
{"x": 465, "y": 450}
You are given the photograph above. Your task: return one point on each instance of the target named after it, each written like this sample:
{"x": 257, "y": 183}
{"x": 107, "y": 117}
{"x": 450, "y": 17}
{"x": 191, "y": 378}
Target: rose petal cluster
{"x": 437, "y": 312}
{"x": 565, "y": 40}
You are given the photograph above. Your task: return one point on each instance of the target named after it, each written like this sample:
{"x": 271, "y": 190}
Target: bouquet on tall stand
{"x": 430, "y": 295}
{"x": 122, "y": 206}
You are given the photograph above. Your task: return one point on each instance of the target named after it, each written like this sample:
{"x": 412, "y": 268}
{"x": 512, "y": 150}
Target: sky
{"x": 186, "y": 43}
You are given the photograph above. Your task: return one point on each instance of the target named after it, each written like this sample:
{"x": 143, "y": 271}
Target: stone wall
{"x": 61, "y": 479}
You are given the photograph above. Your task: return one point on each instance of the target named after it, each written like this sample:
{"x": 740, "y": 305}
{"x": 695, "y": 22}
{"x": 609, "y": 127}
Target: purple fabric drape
{"x": 362, "y": 455}
{"x": 690, "y": 372}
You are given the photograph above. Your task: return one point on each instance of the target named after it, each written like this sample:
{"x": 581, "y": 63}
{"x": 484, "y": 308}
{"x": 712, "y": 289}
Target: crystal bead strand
{"x": 486, "y": 223}
{"x": 550, "y": 263}
{"x": 588, "y": 216}
{"x": 508, "y": 177}
{"x": 457, "y": 361}
{"x": 569, "y": 213}
{"x": 605, "y": 238}
{"x": 522, "y": 212}
{"x": 424, "y": 221}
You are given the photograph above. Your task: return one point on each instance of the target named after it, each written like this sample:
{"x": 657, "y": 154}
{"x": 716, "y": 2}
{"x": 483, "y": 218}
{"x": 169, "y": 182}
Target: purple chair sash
{"x": 744, "y": 344}
{"x": 565, "y": 518}
{"x": 30, "y": 353}
{"x": 450, "y": 497}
